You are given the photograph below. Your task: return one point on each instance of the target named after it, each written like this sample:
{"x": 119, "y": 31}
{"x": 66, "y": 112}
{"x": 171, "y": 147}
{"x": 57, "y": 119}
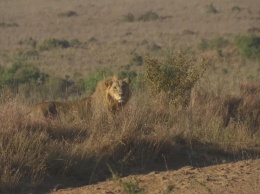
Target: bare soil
{"x": 239, "y": 177}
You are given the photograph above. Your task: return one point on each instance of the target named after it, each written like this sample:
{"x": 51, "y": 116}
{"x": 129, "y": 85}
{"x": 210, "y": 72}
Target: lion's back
{"x": 43, "y": 109}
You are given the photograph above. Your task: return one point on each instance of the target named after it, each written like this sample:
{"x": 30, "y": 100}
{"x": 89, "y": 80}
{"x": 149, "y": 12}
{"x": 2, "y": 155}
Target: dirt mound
{"x": 239, "y": 177}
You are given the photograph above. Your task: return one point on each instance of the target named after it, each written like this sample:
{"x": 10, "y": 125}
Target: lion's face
{"x": 119, "y": 89}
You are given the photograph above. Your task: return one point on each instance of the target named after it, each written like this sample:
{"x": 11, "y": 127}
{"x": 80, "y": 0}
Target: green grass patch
{"x": 19, "y": 73}
{"x": 8, "y": 25}
{"x": 217, "y": 43}
{"x": 149, "y": 16}
{"x": 131, "y": 186}
{"x": 29, "y": 41}
{"x": 249, "y": 46}
{"x": 89, "y": 83}
{"x": 54, "y": 43}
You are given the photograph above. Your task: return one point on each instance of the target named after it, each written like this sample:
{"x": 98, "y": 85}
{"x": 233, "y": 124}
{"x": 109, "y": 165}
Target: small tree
{"x": 174, "y": 77}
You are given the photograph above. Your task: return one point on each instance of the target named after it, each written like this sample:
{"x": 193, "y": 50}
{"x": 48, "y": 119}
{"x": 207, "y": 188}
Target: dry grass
{"x": 148, "y": 130}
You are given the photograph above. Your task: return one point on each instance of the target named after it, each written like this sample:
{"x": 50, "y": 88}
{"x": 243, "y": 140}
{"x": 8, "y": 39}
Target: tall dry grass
{"x": 147, "y": 131}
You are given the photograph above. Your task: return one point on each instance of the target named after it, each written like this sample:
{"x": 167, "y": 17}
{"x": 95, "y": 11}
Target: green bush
{"x": 34, "y": 85}
{"x": 90, "y": 82}
{"x": 174, "y": 77}
{"x": 249, "y": 46}
{"x": 19, "y": 73}
{"x": 149, "y": 16}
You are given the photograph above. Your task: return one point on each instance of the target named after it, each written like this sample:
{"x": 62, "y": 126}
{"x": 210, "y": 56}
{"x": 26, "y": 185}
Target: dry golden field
{"x": 58, "y": 50}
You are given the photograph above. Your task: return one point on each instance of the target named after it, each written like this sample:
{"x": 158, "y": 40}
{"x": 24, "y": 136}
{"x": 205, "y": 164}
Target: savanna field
{"x": 192, "y": 124}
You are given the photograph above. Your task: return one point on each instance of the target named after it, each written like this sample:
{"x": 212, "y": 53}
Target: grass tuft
{"x": 149, "y": 16}
{"x": 68, "y": 14}
{"x": 211, "y": 9}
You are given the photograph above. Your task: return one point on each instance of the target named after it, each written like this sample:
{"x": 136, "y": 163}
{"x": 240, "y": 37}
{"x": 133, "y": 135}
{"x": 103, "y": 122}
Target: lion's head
{"x": 111, "y": 93}
{"x": 118, "y": 89}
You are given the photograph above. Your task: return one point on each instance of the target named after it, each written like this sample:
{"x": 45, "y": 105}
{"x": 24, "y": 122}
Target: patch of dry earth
{"x": 240, "y": 177}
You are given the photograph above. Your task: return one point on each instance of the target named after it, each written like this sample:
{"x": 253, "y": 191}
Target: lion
{"x": 110, "y": 95}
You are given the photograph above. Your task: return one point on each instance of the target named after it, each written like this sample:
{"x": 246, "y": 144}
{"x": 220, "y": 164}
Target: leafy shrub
{"x": 149, "y": 16}
{"x": 249, "y": 46}
{"x": 174, "y": 77}
{"x": 19, "y": 73}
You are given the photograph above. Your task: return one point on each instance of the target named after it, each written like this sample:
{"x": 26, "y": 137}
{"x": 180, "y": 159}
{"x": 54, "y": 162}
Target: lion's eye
{"x": 115, "y": 88}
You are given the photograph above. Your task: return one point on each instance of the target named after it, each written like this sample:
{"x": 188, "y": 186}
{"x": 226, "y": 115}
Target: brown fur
{"x": 111, "y": 94}
{"x": 108, "y": 93}
{"x": 244, "y": 108}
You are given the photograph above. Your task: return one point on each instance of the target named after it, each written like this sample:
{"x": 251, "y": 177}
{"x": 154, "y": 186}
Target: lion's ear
{"x": 127, "y": 80}
{"x": 109, "y": 82}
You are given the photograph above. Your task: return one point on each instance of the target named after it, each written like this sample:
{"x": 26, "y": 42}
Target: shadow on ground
{"x": 168, "y": 158}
